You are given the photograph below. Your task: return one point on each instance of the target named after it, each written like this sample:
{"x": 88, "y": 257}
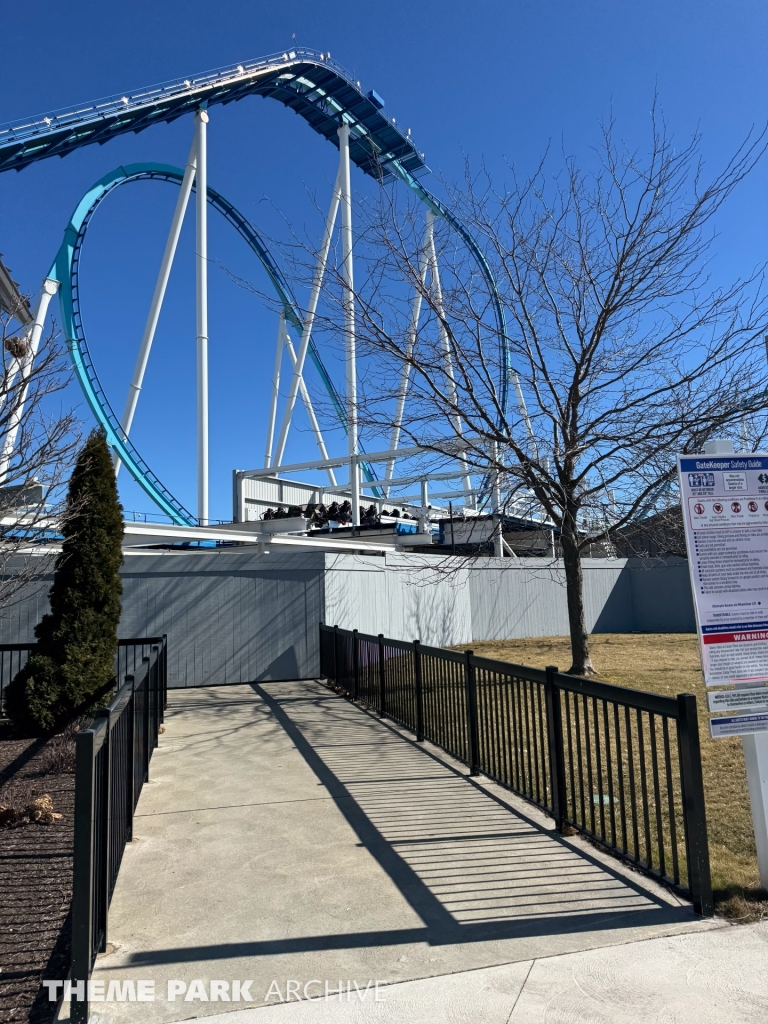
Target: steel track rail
{"x": 318, "y": 89}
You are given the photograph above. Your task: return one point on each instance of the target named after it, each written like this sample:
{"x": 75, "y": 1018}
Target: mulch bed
{"x": 35, "y": 881}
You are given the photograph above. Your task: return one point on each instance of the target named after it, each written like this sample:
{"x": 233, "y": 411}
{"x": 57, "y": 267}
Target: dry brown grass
{"x": 666, "y": 663}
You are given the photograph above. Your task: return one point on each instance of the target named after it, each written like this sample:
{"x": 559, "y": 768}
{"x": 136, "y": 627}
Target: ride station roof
{"x": 310, "y": 83}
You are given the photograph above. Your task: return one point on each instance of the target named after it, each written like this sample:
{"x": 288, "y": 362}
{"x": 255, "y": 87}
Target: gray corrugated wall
{"x": 620, "y": 596}
{"x": 239, "y": 616}
{"x": 230, "y": 617}
{"x": 406, "y": 597}
{"x": 662, "y": 601}
{"x": 524, "y": 599}
{"x": 409, "y": 596}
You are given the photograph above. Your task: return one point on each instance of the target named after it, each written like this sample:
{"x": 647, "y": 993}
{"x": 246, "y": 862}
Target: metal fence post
{"x": 336, "y": 654}
{"x": 694, "y": 814}
{"x": 164, "y": 676}
{"x": 555, "y": 744}
{"x": 355, "y": 663}
{"x": 419, "y": 692}
{"x": 147, "y": 748}
{"x": 106, "y": 804}
{"x": 131, "y": 754}
{"x": 473, "y": 732}
{"x": 382, "y": 678}
{"x": 82, "y": 880}
{"x": 155, "y": 696}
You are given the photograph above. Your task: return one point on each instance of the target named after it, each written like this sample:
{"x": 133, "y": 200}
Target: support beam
{"x": 157, "y": 299}
{"x": 31, "y": 339}
{"x": 310, "y": 411}
{"x": 415, "y": 499}
{"x": 456, "y": 447}
{"x": 275, "y": 390}
{"x": 413, "y": 327}
{"x": 509, "y": 550}
{"x": 498, "y": 537}
{"x": 424, "y": 492}
{"x": 349, "y": 320}
{"x": 309, "y": 320}
{"x": 201, "y": 263}
{"x": 743, "y": 434}
{"x": 445, "y": 344}
{"x": 406, "y": 481}
{"x": 16, "y": 363}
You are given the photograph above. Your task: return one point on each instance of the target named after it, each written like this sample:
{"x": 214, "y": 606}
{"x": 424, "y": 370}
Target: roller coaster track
{"x": 310, "y": 83}
{"x": 66, "y": 270}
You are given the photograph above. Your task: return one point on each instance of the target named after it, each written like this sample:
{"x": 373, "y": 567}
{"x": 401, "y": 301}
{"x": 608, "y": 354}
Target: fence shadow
{"x": 471, "y": 868}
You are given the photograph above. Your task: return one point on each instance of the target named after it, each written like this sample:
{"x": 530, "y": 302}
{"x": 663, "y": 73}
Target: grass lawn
{"x": 666, "y": 663}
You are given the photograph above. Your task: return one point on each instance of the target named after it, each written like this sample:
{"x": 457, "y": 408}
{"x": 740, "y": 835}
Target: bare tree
{"x": 37, "y": 441}
{"x": 621, "y": 346}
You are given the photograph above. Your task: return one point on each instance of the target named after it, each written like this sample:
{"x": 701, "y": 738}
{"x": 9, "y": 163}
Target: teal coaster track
{"x": 66, "y": 270}
{"x": 325, "y": 100}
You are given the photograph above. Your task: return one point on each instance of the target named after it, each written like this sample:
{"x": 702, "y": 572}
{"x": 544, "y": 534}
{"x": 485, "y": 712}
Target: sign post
{"x": 724, "y": 499}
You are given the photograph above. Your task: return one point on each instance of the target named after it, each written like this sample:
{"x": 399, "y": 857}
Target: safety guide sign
{"x": 725, "y": 512}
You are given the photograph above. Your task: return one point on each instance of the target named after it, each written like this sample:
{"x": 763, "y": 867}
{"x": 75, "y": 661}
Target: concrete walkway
{"x": 288, "y": 836}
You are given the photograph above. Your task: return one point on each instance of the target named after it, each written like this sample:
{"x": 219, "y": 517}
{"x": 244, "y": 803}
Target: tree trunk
{"x": 574, "y": 587}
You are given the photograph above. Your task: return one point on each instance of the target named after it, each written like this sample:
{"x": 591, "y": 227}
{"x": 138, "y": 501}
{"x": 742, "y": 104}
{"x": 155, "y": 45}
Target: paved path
{"x": 287, "y": 835}
{"x": 717, "y": 977}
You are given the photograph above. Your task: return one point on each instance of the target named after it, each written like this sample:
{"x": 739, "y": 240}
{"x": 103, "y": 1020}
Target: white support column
{"x": 281, "y": 335}
{"x": 756, "y": 761}
{"x": 498, "y": 537}
{"x": 157, "y": 299}
{"x": 201, "y": 262}
{"x": 349, "y": 320}
{"x": 413, "y": 327}
{"x": 445, "y": 344}
{"x": 310, "y": 412}
{"x": 423, "y": 517}
{"x": 524, "y": 413}
{"x": 309, "y": 320}
{"x": 17, "y": 362}
{"x": 743, "y": 434}
{"x": 23, "y": 366}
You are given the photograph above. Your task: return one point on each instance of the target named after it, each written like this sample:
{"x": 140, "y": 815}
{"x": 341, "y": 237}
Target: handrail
{"x": 640, "y": 699}
{"x": 12, "y": 660}
{"x": 621, "y": 766}
{"x": 112, "y": 764}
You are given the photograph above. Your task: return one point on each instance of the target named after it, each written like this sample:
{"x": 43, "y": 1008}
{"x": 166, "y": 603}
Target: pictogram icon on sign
{"x": 735, "y": 506}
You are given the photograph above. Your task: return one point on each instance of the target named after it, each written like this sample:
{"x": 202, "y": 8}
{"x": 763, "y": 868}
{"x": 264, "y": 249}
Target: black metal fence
{"x": 13, "y": 658}
{"x": 113, "y": 756}
{"x": 621, "y": 766}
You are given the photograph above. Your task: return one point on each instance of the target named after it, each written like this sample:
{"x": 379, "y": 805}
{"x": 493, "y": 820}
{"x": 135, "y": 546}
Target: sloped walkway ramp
{"x": 288, "y": 835}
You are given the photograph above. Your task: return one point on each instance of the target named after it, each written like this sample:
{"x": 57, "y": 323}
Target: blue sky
{"x": 495, "y": 80}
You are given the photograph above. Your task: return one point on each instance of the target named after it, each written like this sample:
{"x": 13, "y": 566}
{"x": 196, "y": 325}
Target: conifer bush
{"x": 73, "y": 665}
